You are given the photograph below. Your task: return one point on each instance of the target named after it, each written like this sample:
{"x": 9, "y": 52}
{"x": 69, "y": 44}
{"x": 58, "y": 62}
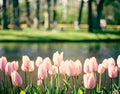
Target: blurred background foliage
{"x": 62, "y": 11}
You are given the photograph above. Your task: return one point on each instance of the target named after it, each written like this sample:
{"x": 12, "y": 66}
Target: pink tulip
{"x": 62, "y": 68}
{"x": 73, "y": 68}
{"x": 111, "y": 61}
{"x": 57, "y": 58}
{"x": 25, "y": 60}
{"x": 23, "y": 68}
{"x": 53, "y": 70}
{"x": 93, "y": 65}
{"x": 70, "y": 69}
{"x": 42, "y": 72}
{"x": 16, "y": 78}
{"x": 105, "y": 63}
{"x": 15, "y": 65}
{"x": 8, "y": 69}
{"x": 27, "y": 65}
{"x": 90, "y": 65}
{"x": 38, "y": 61}
{"x": 101, "y": 68}
{"x": 86, "y": 66}
{"x": 89, "y": 80}
{"x": 3, "y": 62}
{"x": 47, "y": 63}
{"x": 115, "y": 92}
{"x": 31, "y": 66}
{"x": 78, "y": 67}
{"x": 112, "y": 71}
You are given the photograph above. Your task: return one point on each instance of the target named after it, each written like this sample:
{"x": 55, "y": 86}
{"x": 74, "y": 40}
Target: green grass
{"x": 69, "y": 35}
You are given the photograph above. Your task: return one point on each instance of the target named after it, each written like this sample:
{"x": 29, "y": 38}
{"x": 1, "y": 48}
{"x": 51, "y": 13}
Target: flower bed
{"x": 59, "y": 76}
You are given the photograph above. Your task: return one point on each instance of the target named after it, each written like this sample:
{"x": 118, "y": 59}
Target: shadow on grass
{"x": 115, "y": 32}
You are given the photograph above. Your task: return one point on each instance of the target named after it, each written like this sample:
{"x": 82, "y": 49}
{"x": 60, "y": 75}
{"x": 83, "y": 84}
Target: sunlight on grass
{"x": 37, "y": 35}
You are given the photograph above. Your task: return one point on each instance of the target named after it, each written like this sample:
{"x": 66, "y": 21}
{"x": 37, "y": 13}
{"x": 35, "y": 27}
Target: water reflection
{"x": 15, "y": 51}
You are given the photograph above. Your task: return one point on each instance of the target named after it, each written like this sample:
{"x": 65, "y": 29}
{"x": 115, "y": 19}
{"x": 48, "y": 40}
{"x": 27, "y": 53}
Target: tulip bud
{"x": 86, "y": 66}
{"x": 3, "y": 62}
{"x": 8, "y": 69}
{"x": 42, "y": 72}
{"x": 112, "y": 71}
{"x": 38, "y": 61}
{"x": 47, "y": 63}
{"x": 16, "y": 78}
{"x": 57, "y": 58}
{"x": 53, "y": 70}
{"x": 15, "y": 65}
{"x": 27, "y": 65}
{"x": 115, "y": 92}
{"x": 105, "y": 63}
{"x": 89, "y": 80}
{"x": 101, "y": 68}
{"x": 62, "y": 68}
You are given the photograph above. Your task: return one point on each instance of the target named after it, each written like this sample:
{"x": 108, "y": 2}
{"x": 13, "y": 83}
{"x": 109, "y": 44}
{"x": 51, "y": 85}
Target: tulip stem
{"x": 51, "y": 81}
{"x": 43, "y": 86}
{"x": 18, "y": 90}
{"x": 4, "y": 77}
{"x": 73, "y": 80}
{"x": 114, "y": 83}
{"x": 76, "y": 80}
{"x": 111, "y": 84}
{"x": 119, "y": 79}
{"x": 25, "y": 79}
{"x": 51, "y": 84}
{"x": 5, "y": 84}
{"x": 29, "y": 78}
{"x": 11, "y": 83}
{"x": 89, "y": 91}
{"x": 100, "y": 82}
{"x": 65, "y": 80}
{"x": 58, "y": 82}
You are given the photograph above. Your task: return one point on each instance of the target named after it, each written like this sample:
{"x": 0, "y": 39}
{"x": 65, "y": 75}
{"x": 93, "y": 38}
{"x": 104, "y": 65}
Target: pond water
{"x": 81, "y": 51}
{"x": 15, "y": 51}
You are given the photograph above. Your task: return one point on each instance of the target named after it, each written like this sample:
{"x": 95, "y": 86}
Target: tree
{"x": 28, "y": 13}
{"x": 16, "y": 14}
{"x": 99, "y": 13}
{"x": 80, "y": 12}
{"x": 90, "y": 23}
{"x": 54, "y": 11}
{"x": 38, "y": 12}
{"x": 5, "y": 18}
{"x": 114, "y": 7}
{"x": 48, "y": 10}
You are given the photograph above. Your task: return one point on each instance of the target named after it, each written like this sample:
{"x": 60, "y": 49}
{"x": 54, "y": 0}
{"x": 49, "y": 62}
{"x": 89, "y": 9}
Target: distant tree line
{"x": 100, "y": 14}
{"x": 99, "y": 11}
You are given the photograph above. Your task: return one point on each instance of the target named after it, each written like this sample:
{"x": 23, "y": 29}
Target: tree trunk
{"x": 38, "y": 12}
{"x": 99, "y": 13}
{"x": 5, "y": 18}
{"x": 54, "y": 11}
{"x": 28, "y": 20}
{"x": 90, "y": 23}
{"x": 48, "y": 10}
{"x": 80, "y": 13}
{"x": 16, "y": 14}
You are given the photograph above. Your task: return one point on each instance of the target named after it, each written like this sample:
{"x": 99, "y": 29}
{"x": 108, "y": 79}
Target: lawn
{"x": 68, "y": 35}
